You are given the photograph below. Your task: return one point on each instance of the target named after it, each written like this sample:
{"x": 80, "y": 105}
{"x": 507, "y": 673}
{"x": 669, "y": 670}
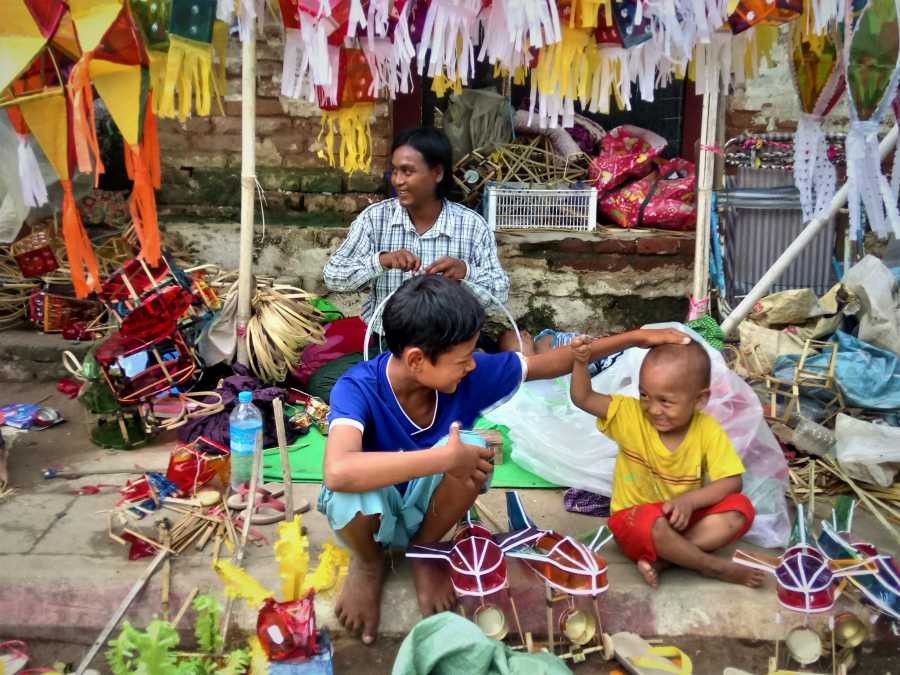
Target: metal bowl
{"x": 492, "y": 621}
{"x": 578, "y": 626}
{"x": 804, "y": 645}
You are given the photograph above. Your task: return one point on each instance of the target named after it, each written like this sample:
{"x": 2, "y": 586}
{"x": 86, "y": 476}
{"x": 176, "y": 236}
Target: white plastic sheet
{"x": 12, "y": 204}
{"x": 561, "y": 443}
{"x": 868, "y": 452}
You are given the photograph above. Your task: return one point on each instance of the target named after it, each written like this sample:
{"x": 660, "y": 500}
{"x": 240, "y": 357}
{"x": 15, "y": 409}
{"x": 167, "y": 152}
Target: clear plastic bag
{"x": 562, "y": 444}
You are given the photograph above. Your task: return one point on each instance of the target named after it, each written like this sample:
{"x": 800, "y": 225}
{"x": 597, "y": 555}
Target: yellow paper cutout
{"x": 292, "y": 554}
{"x": 120, "y": 88}
{"x": 353, "y": 125}
{"x": 259, "y": 662}
{"x": 189, "y": 71}
{"x": 334, "y": 562}
{"x": 565, "y": 67}
{"x": 22, "y": 40}
{"x": 47, "y": 120}
{"x": 239, "y": 584}
{"x": 92, "y": 19}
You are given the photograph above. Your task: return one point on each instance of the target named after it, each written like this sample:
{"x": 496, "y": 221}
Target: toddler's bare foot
{"x": 359, "y": 606}
{"x": 650, "y": 571}
{"x": 738, "y": 574}
{"x": 433, "y": 587}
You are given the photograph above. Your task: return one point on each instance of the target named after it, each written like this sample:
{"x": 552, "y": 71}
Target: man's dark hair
{"x": 434, "y": 146}
{"x": 432, "y": 313}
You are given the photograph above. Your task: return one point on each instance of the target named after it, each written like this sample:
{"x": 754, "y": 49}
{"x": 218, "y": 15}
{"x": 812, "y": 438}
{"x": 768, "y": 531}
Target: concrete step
{"x": 27, "y": 355}
{"x": 61, "y": 576}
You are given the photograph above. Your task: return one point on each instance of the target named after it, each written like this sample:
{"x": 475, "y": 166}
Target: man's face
{"x": 448, "y": 369}
{"x": 412, "y": 178}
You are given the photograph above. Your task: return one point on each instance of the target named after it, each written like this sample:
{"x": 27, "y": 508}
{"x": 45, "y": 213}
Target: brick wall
{"x": 202, "y": 157}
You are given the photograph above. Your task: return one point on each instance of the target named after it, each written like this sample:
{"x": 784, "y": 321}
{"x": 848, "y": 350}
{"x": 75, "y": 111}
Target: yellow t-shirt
{"x": 647, "y": 471}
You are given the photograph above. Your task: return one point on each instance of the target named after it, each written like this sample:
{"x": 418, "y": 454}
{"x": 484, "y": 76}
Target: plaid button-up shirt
{"x": 386, "y": 226}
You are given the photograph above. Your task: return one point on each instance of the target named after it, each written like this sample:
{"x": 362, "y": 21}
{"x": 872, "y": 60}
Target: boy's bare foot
{"x": 650, "y": 571}
{"x": 433, "y": 588}
{"x": 359, "y": 606}
{"x": 738, "y": 574}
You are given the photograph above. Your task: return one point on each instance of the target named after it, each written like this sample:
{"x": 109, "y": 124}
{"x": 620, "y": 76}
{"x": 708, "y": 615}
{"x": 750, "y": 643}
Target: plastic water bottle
{"x": 245, "y": 428}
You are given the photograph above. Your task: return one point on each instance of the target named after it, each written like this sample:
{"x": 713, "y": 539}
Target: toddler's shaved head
{"x": 690, "y": 361}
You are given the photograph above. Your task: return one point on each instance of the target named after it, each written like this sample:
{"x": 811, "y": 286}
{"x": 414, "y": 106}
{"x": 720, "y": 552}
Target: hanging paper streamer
{"x": 513, "y": 27}
{"x": 295, "y": 82}
{"x": 448, "y": 39}
{"x": 347, "y": 111}
{"x": 822, "y": 15}
{"x": 565, "y": 74}
{"x": 34, "y": 189}
{"x": 819, "y": 80}
{"x": 872, "y": 62}
{"x": 190, "y": 58}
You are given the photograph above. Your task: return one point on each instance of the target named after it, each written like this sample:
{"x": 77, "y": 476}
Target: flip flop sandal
{"x": 270, "y": 510}
{"x": 237, "y": 501}
{"x": 15, "y": 659}
{"x": 638, "y": 657}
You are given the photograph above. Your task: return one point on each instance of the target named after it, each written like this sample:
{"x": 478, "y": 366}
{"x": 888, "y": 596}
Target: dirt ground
{"x": 710, "y": 656}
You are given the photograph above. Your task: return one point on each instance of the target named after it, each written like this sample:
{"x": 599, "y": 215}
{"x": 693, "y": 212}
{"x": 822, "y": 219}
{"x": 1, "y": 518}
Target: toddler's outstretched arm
{"x": 580, "y": 389}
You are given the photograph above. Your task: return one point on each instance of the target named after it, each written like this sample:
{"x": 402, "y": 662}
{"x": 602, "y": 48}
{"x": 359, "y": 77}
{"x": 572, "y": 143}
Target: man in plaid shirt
{"x": 418, "y": 231}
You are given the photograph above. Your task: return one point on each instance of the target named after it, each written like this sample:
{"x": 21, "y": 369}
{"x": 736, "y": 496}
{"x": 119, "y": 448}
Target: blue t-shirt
{"x": 363, "y": 398}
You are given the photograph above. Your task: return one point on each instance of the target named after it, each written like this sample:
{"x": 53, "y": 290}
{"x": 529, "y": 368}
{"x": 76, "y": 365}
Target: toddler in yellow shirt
{"x": 663, "y": 511}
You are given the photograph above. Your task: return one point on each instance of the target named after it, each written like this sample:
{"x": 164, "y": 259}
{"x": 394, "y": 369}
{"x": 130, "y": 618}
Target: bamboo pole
{"x": 705, "y": 174}
{"x": 281, "y": 433}
{"x": 120, "y": 612}
{"x": 248, "y": 185}
{"x": 797, "y": 246}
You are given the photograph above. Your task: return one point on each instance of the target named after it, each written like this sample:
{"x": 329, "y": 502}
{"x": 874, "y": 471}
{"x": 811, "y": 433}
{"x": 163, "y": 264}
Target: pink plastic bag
{"x": 342, "y": 337}
{"x": 627, "y": 152}
{"x": 665, "y": 199}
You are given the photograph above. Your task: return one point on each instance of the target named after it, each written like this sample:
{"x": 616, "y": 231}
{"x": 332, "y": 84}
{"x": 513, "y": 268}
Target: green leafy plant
{"x": 150, "y": 652}
{"x": 236, "y": 663}
{"x": 155, "y": 650}
{"x": 206, "y": 627}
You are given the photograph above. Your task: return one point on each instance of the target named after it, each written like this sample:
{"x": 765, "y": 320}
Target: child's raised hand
{"x": 468, "y": 463}
{"x": 679, "y": 511}
{"x": 651, "y": 337}
{"x": 581, "y": 348}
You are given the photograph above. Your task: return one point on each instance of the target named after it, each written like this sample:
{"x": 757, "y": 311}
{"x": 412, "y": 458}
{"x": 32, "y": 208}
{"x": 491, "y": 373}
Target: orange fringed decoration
{"x": 142, "y": 164}
{"x": 82, "y": 262}
{"x": 143, "y": 205}
{"x": 81, "y": 97}
{"x": 150, "y": 144}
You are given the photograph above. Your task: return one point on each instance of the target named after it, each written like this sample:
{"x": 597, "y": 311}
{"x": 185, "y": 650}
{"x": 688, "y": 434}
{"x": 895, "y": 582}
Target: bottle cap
{"x": 245, "y": 397}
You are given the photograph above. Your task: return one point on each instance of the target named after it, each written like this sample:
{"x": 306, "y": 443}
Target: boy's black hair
{"x": 434, "y": 146}
{"x": 433, "y": 313}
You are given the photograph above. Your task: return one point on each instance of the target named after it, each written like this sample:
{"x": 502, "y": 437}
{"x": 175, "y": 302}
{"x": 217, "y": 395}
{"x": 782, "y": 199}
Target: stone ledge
{"x": 27, "y": 355}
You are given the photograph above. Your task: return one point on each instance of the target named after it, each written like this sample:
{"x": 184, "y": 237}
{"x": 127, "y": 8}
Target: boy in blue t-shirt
{"x": 431, "y": 381}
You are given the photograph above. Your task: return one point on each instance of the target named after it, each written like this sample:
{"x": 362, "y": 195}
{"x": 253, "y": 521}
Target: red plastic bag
{"x": 666, "y": 199}
{"x": 342, "y": 337}
{"x": 626, "y": 152}
{"x": 287, "y": 630}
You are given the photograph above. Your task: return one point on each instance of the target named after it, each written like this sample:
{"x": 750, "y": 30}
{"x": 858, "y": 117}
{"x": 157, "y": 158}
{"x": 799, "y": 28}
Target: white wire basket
{"x": 537, "y": 209}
